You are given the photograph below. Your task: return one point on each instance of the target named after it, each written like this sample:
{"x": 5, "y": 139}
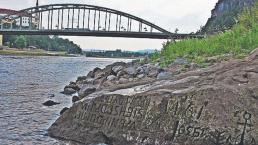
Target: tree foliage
{"x": 20, "y": 42}
{"x": 54, "y": 43}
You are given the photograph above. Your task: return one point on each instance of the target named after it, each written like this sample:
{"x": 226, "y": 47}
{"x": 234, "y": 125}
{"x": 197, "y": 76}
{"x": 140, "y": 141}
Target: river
{"x": 27, "y": 82}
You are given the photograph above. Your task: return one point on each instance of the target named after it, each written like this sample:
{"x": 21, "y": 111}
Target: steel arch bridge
{"x": 82, "y": 20}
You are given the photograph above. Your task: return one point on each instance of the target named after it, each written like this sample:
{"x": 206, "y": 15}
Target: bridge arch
{"x": 85, "y": 20}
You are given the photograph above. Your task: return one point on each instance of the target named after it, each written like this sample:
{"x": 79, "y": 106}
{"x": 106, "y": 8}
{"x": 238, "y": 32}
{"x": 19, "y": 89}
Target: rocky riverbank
{"x": 143, "y": 104}
{"x": 122, "y": 75}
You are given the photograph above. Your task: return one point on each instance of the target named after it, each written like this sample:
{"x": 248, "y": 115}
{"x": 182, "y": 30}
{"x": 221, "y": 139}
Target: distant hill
{"x": 225, "y": 14}
{"x": 113, "y": 53}
{"x": 146, "y": 51}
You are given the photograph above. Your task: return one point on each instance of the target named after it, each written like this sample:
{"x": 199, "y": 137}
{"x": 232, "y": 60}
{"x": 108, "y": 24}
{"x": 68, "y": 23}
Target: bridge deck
{"x": 153, "y": 35}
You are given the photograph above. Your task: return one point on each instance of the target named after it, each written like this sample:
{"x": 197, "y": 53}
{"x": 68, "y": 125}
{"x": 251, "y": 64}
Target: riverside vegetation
{"x": 171, "y": 99}
{"x": 46, "y": 43}
{"x": 237, "y": 42}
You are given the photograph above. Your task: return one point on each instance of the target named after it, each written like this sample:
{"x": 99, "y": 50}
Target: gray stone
{"x": 111, "y": 78}
{"x": 85, "y": 91}
{"x": 100, "y": 75}
{"x": 121, "y": 73}
{"x": 50, "y": 103}
{"x": 180, "y": 61}
{"x": 92, "y": 74}
{"x": 153, "y": 73}
{"x": 116, "y": 69}
{"x": 164, "y": 75}
{"x": 81, "y": 78}
{"x": 123, "y": 80}
{"x": 75, "y": 99}
{"x": 131, "y": 71}
{"x": 69, "y": 91}
{"x": 73, "y": 85}
{"x": 146, "y": 70}
{"x": 140, "y": 70}
{"x": 140, "y": 76}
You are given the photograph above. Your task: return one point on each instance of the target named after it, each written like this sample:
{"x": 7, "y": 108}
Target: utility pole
{"x": 37, "y": 14}
{"x": 37, "y": 3}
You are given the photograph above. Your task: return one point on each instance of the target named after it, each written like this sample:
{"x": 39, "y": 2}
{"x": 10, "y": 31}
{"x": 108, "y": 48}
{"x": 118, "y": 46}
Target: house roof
{"x": 12, "y": 12}
{"x": 7, "y": 11}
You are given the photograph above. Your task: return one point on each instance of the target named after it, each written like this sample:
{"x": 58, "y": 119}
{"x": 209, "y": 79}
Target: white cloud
{"x": 187, "y": 15}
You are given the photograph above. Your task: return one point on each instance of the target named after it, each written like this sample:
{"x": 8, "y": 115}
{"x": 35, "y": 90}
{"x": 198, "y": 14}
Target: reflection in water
{"x": 27, "y": 82}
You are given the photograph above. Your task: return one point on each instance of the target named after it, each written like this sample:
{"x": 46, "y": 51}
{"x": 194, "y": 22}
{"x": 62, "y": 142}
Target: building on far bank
{"x": 22, "y": 20}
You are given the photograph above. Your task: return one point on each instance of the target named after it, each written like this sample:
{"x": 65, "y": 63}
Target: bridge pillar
{"x": 1, "y": 40}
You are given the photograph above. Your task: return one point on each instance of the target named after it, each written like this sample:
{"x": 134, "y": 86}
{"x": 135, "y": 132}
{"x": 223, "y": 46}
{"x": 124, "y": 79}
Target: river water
{"x": 27, "y": 82}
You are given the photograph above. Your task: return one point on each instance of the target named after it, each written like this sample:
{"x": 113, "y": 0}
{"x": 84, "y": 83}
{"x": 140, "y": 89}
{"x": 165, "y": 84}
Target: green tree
{"x": 20, "y": 42}
{"x": 44, "y": 42}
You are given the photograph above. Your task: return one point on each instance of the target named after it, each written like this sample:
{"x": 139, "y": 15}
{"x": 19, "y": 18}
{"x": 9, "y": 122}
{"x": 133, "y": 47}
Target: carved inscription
{"x": 169, "y": 120}
{"x": 115, "y": 112}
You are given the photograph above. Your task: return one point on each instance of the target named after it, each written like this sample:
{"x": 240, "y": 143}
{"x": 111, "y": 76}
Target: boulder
{"x": 140, "y": 70}
{"x": 81, "y": 78}
{"x": 153, "y": 73}
{"x": 146, "y": 69}
{"x": 92, "y": 74}
{"x": 123, "y": 80}
{"x": 121, "y": 73}
{"x": 68, "y": 91}
{"x": 86, "y": 90}
{"x": 116, "y": 69}
{"x": 63, "y": 110}
{"x": 131, "y": 71}
{"x": 73, "y": 86}
{"x": 213, "y": 106}
{"x": 50, "y": 103}
{"x": 99, "y": 82}
{"x": 164, "y": 75}
{"x": 140, "y": 76}
{"x": 180, "y": 61}
{"x": 75, "y": 99}
{"x": 101, "y": 74}
{"x": 111, "y": 78}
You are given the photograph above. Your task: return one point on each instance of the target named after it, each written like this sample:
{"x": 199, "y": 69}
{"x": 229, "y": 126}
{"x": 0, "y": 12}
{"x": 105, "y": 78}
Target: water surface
{"x": 27, "y": 82}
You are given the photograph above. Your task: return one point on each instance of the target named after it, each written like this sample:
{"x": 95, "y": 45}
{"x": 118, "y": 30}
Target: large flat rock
{"x": 215, "y": 106}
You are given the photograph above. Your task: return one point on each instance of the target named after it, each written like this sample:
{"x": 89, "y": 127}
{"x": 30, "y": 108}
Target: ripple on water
{"x": 25, "y": 83}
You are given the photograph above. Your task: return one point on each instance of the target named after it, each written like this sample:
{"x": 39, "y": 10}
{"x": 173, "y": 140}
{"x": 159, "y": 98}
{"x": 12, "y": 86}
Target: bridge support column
{"x": 1, "y": 25}
{"x": 1, "y": 40}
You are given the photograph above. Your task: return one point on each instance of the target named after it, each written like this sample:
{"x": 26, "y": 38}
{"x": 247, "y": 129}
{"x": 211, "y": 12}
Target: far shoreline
{"x": 40, "y": 52}
{"x": 132, "y": 58}
{"x": 35, "y": 52}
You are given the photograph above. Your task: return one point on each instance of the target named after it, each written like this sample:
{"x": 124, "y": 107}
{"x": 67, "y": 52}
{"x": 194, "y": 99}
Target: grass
{"x": 237, "y": 42}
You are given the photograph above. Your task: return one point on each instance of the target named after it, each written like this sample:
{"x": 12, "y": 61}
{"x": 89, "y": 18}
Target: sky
{"x": 186, "y": 15}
